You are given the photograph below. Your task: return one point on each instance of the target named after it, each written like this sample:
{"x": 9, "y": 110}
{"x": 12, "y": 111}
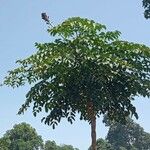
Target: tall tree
{"x": 22, "y": 137}
{"x": 85, "y": 70}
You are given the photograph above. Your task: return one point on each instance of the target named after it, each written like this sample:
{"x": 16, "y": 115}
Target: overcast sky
{"x": 21, "y": 26}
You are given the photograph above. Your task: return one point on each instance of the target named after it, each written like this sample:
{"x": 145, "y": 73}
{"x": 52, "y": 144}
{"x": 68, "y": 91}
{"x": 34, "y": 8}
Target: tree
{"x": 129, "y": 136}
{"x": 50, "y": 145}
{"x": 4, "y": 143}
{"x": 85, "y": 70}
{"x": 146, "y": 5}
{"x": 103, "y": 145}
{"x": 22, "y": 137}
{"x": 146, "y": 141}
{"x": 67, "y": 147}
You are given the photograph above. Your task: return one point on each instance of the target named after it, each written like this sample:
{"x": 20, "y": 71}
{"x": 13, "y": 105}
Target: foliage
{"x": 67, "y": 147}
{"x": 103, "y": 145}
{"x": 4, "y": 143}
{"x": 130, "y": 136}
{"x": 23, "y": 137}
{"x": 84, "y": 67}
{"x": 146, "y": 5}
{"x": 50, "y": 145}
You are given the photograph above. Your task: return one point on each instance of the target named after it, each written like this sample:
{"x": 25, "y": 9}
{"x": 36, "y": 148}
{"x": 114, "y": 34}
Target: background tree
{"x": 146, "y": 5}
{"x": 145, "y": 141}
{"x": 85, "y": 70}
{"x": 50, "y": 145}
{"x": 4, "y": 143}
{"x": 67, "y": 147}
{"x": 103, "y": 145}
{"x": 130, "y": 136}
{"x": 22, "y": 137}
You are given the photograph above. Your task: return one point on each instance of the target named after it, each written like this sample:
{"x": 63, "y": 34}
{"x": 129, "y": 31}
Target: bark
{"x": 93, "y": 132}
{"x": 92, "y": 117}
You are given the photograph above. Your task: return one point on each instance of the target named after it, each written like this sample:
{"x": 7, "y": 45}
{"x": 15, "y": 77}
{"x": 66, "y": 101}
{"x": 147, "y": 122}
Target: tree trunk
{"x": 92, "y": 118}
{"x": 93, "y": 131}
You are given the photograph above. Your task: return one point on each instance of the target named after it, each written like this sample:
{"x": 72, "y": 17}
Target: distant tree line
{"x": 24, "y": 137}
{"x": 129, "y": 136}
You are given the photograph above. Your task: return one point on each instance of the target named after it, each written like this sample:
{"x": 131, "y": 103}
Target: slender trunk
{"x": 92, "y": 117}
{"x": 93, "y": 132}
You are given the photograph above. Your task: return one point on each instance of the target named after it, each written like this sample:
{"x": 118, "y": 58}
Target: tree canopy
{"x": 86, "y": 70}
{"x": 129, "y": 136}
{"x": 21, "y": 137}
{"x": 4, "y": 143}
{"x": 67, "y": 147}
{"x": 89, "y": 64}
{"x": 51, "y": 145}
{"x": 103, "y": 145}
{"x": 146, "y": 5}
{"x": 24, "y": 137}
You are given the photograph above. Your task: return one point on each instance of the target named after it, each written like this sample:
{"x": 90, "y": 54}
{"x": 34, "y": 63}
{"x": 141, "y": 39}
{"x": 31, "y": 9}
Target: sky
{"x": 21, "y": 26}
